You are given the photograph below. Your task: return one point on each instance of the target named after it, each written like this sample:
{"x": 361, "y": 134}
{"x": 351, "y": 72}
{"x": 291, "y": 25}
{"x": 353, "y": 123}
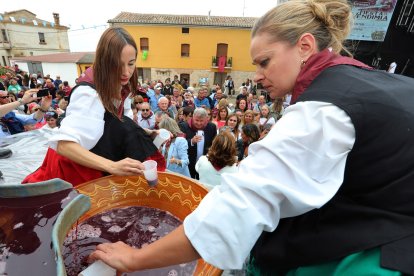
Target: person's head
{"x": 65, "y": 83}
{"x": 51, "y": 119}
{"x": 200, "y": 118}
{"x": 264, "y": 111}
{"x": 219, "y": 94}
{"x": 63, "y": 103}
{"x": 244, "y": 90}
{"x": 242, "y": 105}
{"x": 223, "y": 151}
{"x": 250, "y": 133}
{"x": 239, "y": 114}
{"x": 265, "y": 130}
{"x": 163, "y": 103}
{"x": 4, "y": 97}
{"x": 60, "y": 94}
{"x": 262, "y": 100}
{"x": 157, "y": 89}
{"x": 159, "y": 115}
{"x": 180, "y": 115}
{"x": 202, "y": 93}
{"x": 176, "y": 92}
{"x": 209, "y": 114}
{"x": 188, "y": 113}
{"x": 248, "y": 117}
{"x": 12, "y": 96}
{"x": 138, "y": 101}
{"x": 145, "y": 109}
{"x": 233, "y": 121}
{"x": 288, "y": 35}
{"x": 170, "y": 125}
{"x": 222, "y": 114}
{"x": 32, "y": 108}
{"x": 115, "y": 66}
{"x": 167, "y": 82}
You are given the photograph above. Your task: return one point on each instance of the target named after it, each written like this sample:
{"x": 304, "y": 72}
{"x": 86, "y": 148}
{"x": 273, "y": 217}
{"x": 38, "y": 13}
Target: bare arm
{"x": 27, "y": 98}
{"x": 82, "y": 156}
{"x": 175, "y": 248}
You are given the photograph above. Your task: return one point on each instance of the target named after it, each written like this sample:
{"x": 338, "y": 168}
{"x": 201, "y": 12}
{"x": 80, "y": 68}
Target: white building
{"x": 23, "y": 34}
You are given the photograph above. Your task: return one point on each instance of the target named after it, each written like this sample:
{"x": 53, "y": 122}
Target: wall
{"x": 165, "y": 46}
{"x": 67, "y": 71}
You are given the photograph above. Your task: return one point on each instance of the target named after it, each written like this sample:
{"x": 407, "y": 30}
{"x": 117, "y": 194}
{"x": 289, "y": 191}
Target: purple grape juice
{"x": 136, "y": 226}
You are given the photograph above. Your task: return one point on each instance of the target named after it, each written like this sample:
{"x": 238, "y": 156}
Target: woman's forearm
{"x": 172, "y": 249}
{"x": 82, "y": 156}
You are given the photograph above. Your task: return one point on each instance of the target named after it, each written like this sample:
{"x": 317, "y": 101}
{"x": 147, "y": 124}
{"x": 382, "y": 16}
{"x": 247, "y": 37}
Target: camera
{"x": 42, "y": 93}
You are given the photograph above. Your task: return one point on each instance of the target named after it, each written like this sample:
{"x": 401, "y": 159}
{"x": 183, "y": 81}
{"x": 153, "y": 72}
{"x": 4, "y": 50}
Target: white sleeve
{"x": 297, "y": 167}
{"x": 84, "y": 120}
{"x": 127, "y": 108}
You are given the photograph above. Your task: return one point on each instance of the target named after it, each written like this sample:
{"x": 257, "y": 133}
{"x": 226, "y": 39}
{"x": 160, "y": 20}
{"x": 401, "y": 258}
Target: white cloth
{"x": 297, "y": 167}
{"x": 392, "y": 67}
{"x": 84, "y": 121}
{"x": 200, "y": 144}
{"x": 263, "y": 121}
{"x": 209, "y": 176}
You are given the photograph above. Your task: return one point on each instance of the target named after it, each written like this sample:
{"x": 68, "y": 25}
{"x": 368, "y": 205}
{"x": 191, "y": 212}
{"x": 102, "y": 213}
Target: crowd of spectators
{"x": 195, "y": 117}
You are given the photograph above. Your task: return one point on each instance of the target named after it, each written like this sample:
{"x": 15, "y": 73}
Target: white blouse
{"x": 84, "y": 121}
{"x": 297, "y": 167}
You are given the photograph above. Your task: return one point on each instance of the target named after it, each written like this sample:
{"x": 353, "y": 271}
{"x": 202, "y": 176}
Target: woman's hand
{"x": 127, "y": 166}
{"x": 117, "y": 255}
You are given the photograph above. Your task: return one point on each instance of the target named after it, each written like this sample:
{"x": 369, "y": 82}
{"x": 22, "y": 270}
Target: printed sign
{"x": 371, "y": 19}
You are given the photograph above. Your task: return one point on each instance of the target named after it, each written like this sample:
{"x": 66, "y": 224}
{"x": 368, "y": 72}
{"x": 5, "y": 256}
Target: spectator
{"x": 154, "y": 98}
{"x": 250, "y": 133}
{"x": 57, "y": 81}
{"x": 163, "y": 105}
{"x": 188, "y": 100}
{"x": 146, "y": 118}
{"x": 51, "y": 120}
{"x": 66, "y": 88}
{"x": 277, "y": 109}
{"x": 222, "y": 115}
{"x": 221, "y": 158}
{"x": 167, "y": 89}
{"x": 175, "y": 150}
{"x": 14, "y": 86}
{"x": 265, "y": 117}
{"x": 201, "y": 100}
{"x": 11, "y": 122}
{"x": 199, "y": 133}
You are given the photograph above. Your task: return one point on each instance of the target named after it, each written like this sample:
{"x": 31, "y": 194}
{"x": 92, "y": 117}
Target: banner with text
{"x": 371, "y": 19}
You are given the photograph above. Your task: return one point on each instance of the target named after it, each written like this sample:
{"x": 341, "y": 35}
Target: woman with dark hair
{"x": 221, "y": 158}
{"x": 222, "y": 115}
{"x": 97, "y": 137}
{"x": 233, "y": 122}
{"x": 250, "y": 134}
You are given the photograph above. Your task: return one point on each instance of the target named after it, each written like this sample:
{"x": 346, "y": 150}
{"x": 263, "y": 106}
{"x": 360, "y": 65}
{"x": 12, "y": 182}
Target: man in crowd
{"x": 154, "y": 98}
{"x": 199, "y": 133}
{"x": 201, "y": 100}
{"x": 146, "y": 119}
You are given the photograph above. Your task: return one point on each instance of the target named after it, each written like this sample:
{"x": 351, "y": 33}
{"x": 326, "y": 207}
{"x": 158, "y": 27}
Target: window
{"x": 4, "y": 35}
{"x": 185, "y": 50}
{"x": 185, "y": 30}
{"x": 42, "y": 38}
{"x": 144, "y": 44}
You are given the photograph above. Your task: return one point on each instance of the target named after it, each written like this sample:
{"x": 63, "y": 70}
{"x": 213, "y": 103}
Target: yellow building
{"x": 201, "y": 49}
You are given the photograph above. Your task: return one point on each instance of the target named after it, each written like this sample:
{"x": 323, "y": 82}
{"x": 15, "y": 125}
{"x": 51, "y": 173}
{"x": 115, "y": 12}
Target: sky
{"x": 88, "y": 19}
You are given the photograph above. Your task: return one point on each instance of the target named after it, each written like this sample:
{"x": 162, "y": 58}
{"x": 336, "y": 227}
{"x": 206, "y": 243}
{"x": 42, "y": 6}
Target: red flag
{"x": 221, "y": 64}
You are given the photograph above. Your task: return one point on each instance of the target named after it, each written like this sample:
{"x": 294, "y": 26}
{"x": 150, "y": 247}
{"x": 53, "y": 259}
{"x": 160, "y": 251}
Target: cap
{"x": 158, "y": 86}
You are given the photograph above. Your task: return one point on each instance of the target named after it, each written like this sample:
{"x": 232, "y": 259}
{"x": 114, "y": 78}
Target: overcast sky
{"x": 88, "y": 19}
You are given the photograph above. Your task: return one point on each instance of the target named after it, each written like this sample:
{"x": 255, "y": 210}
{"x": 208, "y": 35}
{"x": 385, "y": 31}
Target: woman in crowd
{"x": 242, "y": 105}
{"x": 250, "y": 133}
{"x": 332, "y": 191}
{"x": 276, "y": 108}
{"x": 222, "y": 114}
{"x": 233, "y": 122}
{"x": 265, "y": 117}
{"x": 175, "y": 149}
{"x": 221, "y": 158}
{"x": 96, "y": 138}
{"x": 51, "y": 121}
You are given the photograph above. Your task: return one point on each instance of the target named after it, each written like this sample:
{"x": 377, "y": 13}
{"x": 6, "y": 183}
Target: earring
{"x": 302, "y": 62}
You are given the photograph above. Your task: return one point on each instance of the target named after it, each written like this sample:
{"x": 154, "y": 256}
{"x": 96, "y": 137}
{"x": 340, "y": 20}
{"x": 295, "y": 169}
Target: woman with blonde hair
{"x": 221, "y": 158}
{"x": 326, "y": 197}
{"x": 276, "y": 108}
{"x": 175, "y": 149}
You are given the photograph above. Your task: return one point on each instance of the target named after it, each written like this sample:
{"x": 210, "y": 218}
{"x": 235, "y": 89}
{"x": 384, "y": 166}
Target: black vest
{"x": 375, "y": 204}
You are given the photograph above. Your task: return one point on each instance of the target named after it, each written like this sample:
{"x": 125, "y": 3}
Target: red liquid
{"x": 136, "y": 226}
{"x": 26, "y": 233}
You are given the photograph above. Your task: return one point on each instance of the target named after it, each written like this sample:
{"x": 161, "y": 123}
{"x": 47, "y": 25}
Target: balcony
{"x": 215, "y": 61}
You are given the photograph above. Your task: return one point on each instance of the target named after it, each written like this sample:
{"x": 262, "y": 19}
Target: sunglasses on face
{"x": 138, "y": 103}
{"x": 144, "y": 110}
{"x": 4, "y": 97}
